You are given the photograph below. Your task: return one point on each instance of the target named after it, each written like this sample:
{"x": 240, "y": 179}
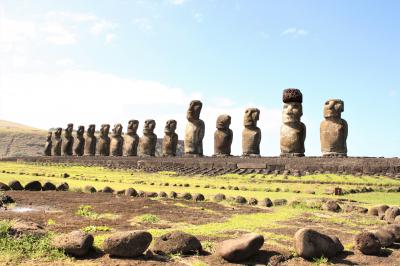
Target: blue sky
{"x": 110, "y": 61}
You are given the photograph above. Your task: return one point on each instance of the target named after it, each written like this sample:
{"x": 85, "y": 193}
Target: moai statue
{"x": 57, "y": 142}
{"x": 170, "y": 140}
{"x": 49, "y": 144}
{"x": 148, "y": 141}
{"x": 334, "y": 130}
{"x": 68, "y": 142}
{"x": 117, "y": 141}
{"x": 251, "y": 136}
{"x": 293, "y": 131}
{"x": 194, "y": 132}
{"x": 103, "y": 146}
{"x": 223, "y": 136}
{"x": 131, "y": 139}
{"x": 90, "y": 141}
{"x": 80, "y": 141}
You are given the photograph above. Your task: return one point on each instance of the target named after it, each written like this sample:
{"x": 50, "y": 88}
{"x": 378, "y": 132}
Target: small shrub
{"x": 51, "y": 222}
{"x": 96, "y": 228}
{"x": 148, "y": 218}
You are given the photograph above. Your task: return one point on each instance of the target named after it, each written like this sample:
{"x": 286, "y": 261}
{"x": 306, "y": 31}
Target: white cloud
{"x": 75, "y": 17}
{"x": 14, "y": 32}
{"x": 198, "y": 17}
{"x": 102, "y": 26}
{"x": 177, "y": 2}
{"x": 144, "y": 24}
{"x": 110, "y": 38}
{"x": 58, "y": 34}
{"x": 65, "y": 62}
{"x": 294, "y": 32}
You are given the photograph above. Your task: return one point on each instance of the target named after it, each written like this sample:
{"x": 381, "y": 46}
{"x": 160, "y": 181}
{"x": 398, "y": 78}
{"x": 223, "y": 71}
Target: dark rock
{"x": 6, "y": 199}
{"x": 391, "y": 214}
{"x": 367, "y": 243}
{"x": 331, "y": 206}
{"x": 89, "y": 189}
{"x": 151, "y": 194}
{"x": 394, "y": 229}
{"x": 186, "y": 196}
{"x": 353, "y": 208}
{"x": 76, "y": 243}
{"x": 107, "y": 189}
{"x": 48, "y": 186}
{"x": 4, "y": 187}
{"x": 15, "y": 185}
{"x": 311, "y": 244}
{"x": 280, "y": 202}
{"x": 33, "y": 186}
{"x": 385, "y": 237}
{"x": 173, "y": 195}
{"x": 131, "y": 192}
{"x": 162, "y": 194}
{"x": 253, "y": 201}
{"x": 378, "y": 210}
{"x": 267, "y": 202}
{"x": 19, "y": 228}
{"x": 63, "y": 187}
{"x": 120, "y": 192}
{"x": 177, "y": 243}
{"x": 127, "y": 244}
{"x": 66, "y": 175}
{"x": 240, "y": 200}
{"x": 198, "y": 197}
{"x": 219, "y": 197}
{"x": 239, "y": 249}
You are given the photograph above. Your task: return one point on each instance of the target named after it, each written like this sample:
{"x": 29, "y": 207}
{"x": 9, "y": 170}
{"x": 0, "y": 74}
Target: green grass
{"x": 321, "y": 261}
{"x": 87, "y": 212}
{"x": 96, "y": 228}
{"x": 147, "y": 218}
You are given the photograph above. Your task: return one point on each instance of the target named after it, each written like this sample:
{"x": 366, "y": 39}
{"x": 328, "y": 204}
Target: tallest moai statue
{"x": 293, "y": 131}
{"x": 194, "y": 132}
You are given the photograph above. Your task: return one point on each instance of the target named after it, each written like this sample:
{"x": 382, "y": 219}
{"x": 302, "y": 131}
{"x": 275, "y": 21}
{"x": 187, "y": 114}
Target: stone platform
{"x": 216, "y": 166}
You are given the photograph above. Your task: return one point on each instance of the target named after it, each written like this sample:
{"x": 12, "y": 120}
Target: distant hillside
{"x": 20, "y": 140}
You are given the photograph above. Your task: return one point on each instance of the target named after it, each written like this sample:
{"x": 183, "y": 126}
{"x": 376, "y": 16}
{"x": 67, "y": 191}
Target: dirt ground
{"x": 61, "y": 207}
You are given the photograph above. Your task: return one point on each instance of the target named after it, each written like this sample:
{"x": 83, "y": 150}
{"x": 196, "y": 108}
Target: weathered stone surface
{"x": 4, "y": 187}
{"x": 49, "y": 144}
{"x": 391, "y": 214}
{"x": 131, "y": 192}
{"x": 293, "y": 131}
{"x": 198, "y": 197}
{"x": 131, "y": 139}
{"x": 63, "y": 187}
{"x": 267, "y": 202}
{"x": 151, "y": 194}
{"x": 80, "y": 141}
{"x": 170, "y": 140}
{"x": 33, "y": 186}
{"x": 107, "y": 189}
{"x": 240, "y": 200}
{"x": 177, "y": 242}
{"x": 6, "y": 199}
{"x": 239, "y": 249}
{"x": 253, "y": 201}
{"x": 147, "y": 143}
{"x": 353, "y": 208}
{"x": 15, "y": 185}
{"x": 367, "y": 243}
{"x": 194, "y": 132}
{"x": 223, "y": 136}
{"x": 19, "y": 228}
{"x": 378, "y": 210}
{"x": 75, "y": 243}
{"x": 117, "y": 142}
{"x": 251, "y": 136}
{"x": 331, "y": 206}
{"x": 89, "y": 189}
{"x": 394, "y": 229}
{"x": 68, "y": 141}
{"x": 57, "y": 145}
{"x": 219, "y": 197}
{"x": 162, "y": 194}
{"x": 173, "y": 195}
{"x": 397, "y": 220}
{"x": 186, "y": 196}
{"x": 312, "y": 244}
{"x": 334, "y": 130}
{"x": 103, "y": 145}
{"x": 90, "y": 141}
{"x": 252, "y": 165}
{"x": 385, "y": 237}
{"x": 48, "y": 186}
{"x": 280, "y": 202}
{"x": 127, "y": 244}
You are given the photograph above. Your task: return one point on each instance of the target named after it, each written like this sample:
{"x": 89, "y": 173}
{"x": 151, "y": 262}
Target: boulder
{"x": 15, "y": 185}
{"x": 19, "y": 228}
{"x": 107, "y": 189}
{"x": 385, "y": 237}
{"x": 33, "y": 186}
{"x": 394, "y": 229}
{"x": 177, "y": 242}
{"x": 63, "y": 187}
{"x": 186, "y": 196}
{"x": 198, "y": 197}
{"x": 367, "y": 243}
{"x": 162, "y": 194}
{"x": 151, "y": 194}
{"x": 397, "y": 220}
{"x": 6, "y": 199}
{"x": 331, "y": 206}
{"x": 391, "y": 214}
{"x": 240, "y": 200}
{"x": 48, "y": 186}
{"x": 76, "y": 243}
{"x": 4, "y": 187}
{"x": 253, "y": 201}
{"x": 280, "y": 202}
{"x": 127, "y": 244}
{"x": 378, "y": 210}
{"x": 173, "y": 195}
{"x": 311, "y": 244}
{"x": 89, "y": 189}
{"x": 353, "y": 208}
{"x": 131, "y": 192}
{"x": 219, "y": 197}
{"x": 239, "y": 249}
{"x": 267, "y": 202}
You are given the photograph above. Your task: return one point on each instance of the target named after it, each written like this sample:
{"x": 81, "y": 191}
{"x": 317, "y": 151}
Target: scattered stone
{"x": 378, "y": 210}
{"x": 253, "y": 201}
{"x": 4, "y": 187}
{"x": 385, "y": 237}
{"x": 186, "y": 196}
{"x": 280, "y": 202}
{"x": 131, "y": 192}
{"x": 6, "y": 199}
{"x": 240, "y": 200}
{"x": 63, "y": 187}
{"x": 173, "y": 195}
{"x": 15, "y": 185}
{"x": 219, "y": 197}
{"x": 19, "y": 228}
{"x": 151, "y": 194}
{"x": 239, "y": 249}
{"x": 107, "y": 189}
{"x": 120, "y": 192}
{"x": 89, "y": 189}
{"x": 312, "y": 244}
{"x": 141, "y": 194}
{"x": 391, "y": 214}
{"x": 267, "y": 202}
{"x": 353, "y": 208}
{"x": 177, "y": 242}
{"x": 397, "y": 220}
{"x": 331, "y": 206}
{"x": 76, "y": 243}
{"x": 394, "y": 229}
{"x": 198, "y": 197}
{"x": 48, "y": 186}
{"x": 66, "y": 175}
{"x": 162, "y": 194}
{"x": 127, "y": 244}
{"x": 367, "y": 243}
{"x": 33, "y": 186}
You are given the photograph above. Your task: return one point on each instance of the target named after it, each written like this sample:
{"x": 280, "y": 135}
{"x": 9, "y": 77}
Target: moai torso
{"x": 293, "y": 131}
{"x": 194, "y": 132}
{"x": 251, "y": 136}
{"x": 90, "y": 141}
{"x": 68, "y": 142}
{"x": 117, "y": 142}
{"x": 80, "y": 141}
{"x": 131, "y": 139}
{"x": 49, "y": 145}
{"x": 57, "y": 145}
{"x": 148, "y": 141}
{"x": 223, "y": 136}
{"x": 170, "y": 140}
{"x": 334, "y": 130}
{"x": 103, "y": 146}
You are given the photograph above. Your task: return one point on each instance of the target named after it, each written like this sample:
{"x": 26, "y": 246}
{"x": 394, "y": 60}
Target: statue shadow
{"x": 342, "y": 258}
{"x": 263, "y": 257}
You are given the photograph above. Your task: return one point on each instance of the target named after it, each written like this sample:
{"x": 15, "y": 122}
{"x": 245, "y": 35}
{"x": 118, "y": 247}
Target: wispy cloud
{"x": 144, "y": 24}
{"x": 102, "y": 26}
{"x": 177, "y": 2}
{"x": 295, "y": 32}
{"x": 198, "y": 17}
{"x": 110, "y": 38}
{"x": 58, "y": 34}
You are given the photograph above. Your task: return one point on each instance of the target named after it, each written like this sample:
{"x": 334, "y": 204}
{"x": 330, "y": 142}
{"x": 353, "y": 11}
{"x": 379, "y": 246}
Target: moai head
{"x": 58, "y": 132}
{"x": 117, "y": 130}
{"x": 223, "y": 122}
{"x": 133, "y": 126}
{"x": 251, "y": 116}
{"x": 91, "y": 130}
{"x": 80, "y": 131}
{"x": 149, "y": 126}
{"x": 333, "y": 108}
{"x": 68, "y": 130}
{"x": 49, "y": 135}
{"x": 292, "y": 107}
{"x": 193, "y": 113}
{"x": 104, "y": 130}
{"x": 170, "y": 127}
